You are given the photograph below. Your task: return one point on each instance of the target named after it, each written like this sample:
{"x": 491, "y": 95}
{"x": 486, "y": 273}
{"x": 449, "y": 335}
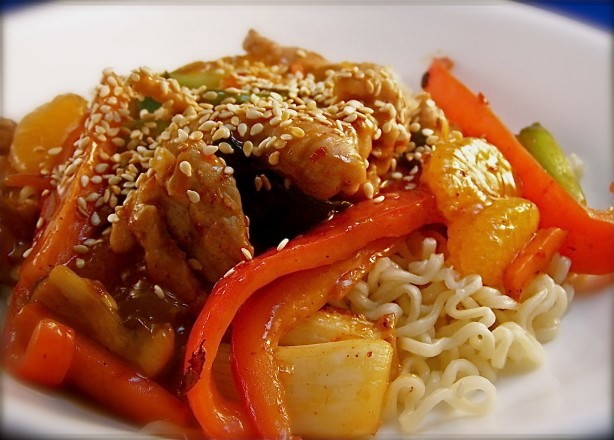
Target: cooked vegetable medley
{"x": 276, "y": 245}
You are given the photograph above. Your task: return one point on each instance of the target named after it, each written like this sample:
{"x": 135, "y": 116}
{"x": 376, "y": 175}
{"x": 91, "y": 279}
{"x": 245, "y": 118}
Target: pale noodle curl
{"x": 454, "y": 334}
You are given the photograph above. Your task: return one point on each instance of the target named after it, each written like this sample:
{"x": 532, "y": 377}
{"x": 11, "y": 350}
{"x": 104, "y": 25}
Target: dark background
{"x": 597, "y": 13}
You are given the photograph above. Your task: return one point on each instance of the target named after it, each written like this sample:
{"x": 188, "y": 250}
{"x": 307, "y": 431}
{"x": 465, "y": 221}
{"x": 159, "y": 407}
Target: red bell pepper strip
{"x": 399, "y": 214}
{"x": 273, "y": 311}
{"x": 91, "y": 368}
{"x": 590, "y": 239}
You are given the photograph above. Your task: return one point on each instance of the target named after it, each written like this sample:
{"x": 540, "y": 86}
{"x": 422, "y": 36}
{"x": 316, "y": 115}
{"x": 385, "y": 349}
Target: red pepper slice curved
{"x": 590, "y": 239}
{"x": 272, "y": 312}
{"x": 398, "y": 214}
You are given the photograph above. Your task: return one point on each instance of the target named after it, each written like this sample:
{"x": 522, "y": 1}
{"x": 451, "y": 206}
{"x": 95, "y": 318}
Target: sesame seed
{"x": 101, "y": 167}
{"x": 258, "y": 183}
{"x": 113, "y": 218}
{"x": 114, "y": 180}
{"x": 40, "y": 222}
{"x": 95, "y": 219}
{"x": 274, "y": 158}
{"x": 104, "y": 90}
{"x": 379, "y": 199}
{"x": 81, "y": 249}
{"x": 85, "y": 180}
{"x": 54, "y": 151}
{"x": 432, "y": 140}
{"x": 196, "y": 135}
{"x": 210, "y": 95}
{"x": 256, "y": 129}
{"x": 242, "y": 129}
{"x": 253, "y": 114}
{"x": 229, "y": 170}
{"x": 225, "y": 148}
{"x": 27, "y": 252}
{"x": 230, "y": 272}
{"x": 351, "y": 118}
{"x": 368, "y": 190}
{"x": 264, "y": 142}
{"x": 186, "y": 168}
{"x": 182, "y": 135}
{"x": 112, "y": 131}
{"x": 90, "y": 242}
{"x": 193, "y": 196}
{"x": 158, "y": 291}
{"x": 207, "y": 125}
{"x": 297, "y": 132}
{"x": 248, "y": 147}
{"x": 221, "y": 133}
{"x": 282, "y": 244}
{"x": 81, "y": 202}
{"x": 195, "y": 264}
{"x": 80, "y": 263}
{"x": 246, "y": 253}
{"x": 414, "y": 127}
{"x": 210, "y": 149}
{"x": 266, "y": 183}
{"x": 70, "y": 169}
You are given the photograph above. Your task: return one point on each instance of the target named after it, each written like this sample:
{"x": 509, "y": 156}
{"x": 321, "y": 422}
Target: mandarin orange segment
{"x": 38, "y": 142}
{"x": 467, "y": 175}
{"x": 485, "y": 243}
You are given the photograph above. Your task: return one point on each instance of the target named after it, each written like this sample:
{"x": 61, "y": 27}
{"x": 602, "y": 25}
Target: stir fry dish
{"x": 275, "y": 245}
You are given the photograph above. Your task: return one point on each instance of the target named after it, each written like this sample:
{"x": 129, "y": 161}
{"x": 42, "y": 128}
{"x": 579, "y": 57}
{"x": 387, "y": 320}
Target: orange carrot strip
{"x": 49, "y": 353}
{"x": 116, "y": 385}
{"x": 590, "y": 238}
{"x": 532, "y": 260}
{"x": 91, "y": 368}
{"x": 43, "y": 347}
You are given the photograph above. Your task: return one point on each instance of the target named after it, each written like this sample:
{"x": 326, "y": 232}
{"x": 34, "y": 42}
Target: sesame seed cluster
{"x": 268, "y": 108}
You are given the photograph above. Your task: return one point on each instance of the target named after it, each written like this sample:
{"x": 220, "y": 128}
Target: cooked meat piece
{"x": 377, "y": 88}
{"x": 323, "y": 161}
{"x": 166, "y": 263}
{"x": 352, "y": 119}
{"x": 270, "y": 53}
{"x": 204, "y": 213}
{"x": 186, "y": 215}
{"x": 374, "y": 86}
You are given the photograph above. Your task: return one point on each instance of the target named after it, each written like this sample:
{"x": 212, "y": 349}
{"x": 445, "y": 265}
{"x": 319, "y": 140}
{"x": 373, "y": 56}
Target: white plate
{"x": 532, "y": 66}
